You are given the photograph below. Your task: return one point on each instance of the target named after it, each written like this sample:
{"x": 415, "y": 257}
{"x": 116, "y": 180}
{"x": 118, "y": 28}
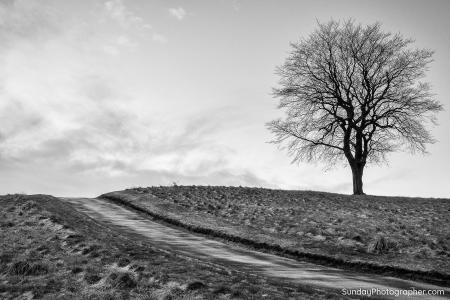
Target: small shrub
{"x": 195, "y": 285}
{"x": 6, "y": 257}
{"x": 55, "y": 219}
{"x": 252, "y": 289}
{"x": 91, "y": 278}
{"x": 425, "y": 252}
{"x": 77, "y": 270}
{"x": 122, "y": 281}
{"x": 7, "y": 224}
{"x": 26, "y": 269}
{"x": 53, "y": 285}
{"x": 237, "y": 294}
{"x": 73, "y": 239}
{"x": 171, "y": 290}
{"x": 89, "y": 249}
{"x": 123, "y": 262}
{"x": 381, "y": 245}
{"x": 29, "y": 205}
{"x": 313, "y": 230}
{"x": 137, "y": 268}
{"x": 357, "y": 238}
{"x": 222, "y": 290}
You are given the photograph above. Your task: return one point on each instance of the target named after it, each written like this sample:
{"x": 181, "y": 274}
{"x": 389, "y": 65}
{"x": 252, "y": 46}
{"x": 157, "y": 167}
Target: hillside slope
{"x": 384, "y": 234}
{"x": 49, "y": 250}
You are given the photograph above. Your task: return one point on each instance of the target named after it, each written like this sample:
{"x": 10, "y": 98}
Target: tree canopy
{"x": 354, "y": 93}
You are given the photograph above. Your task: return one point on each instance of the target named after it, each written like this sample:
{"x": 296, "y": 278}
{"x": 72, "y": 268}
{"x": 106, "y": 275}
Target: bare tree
{"x": 352, "y": 92}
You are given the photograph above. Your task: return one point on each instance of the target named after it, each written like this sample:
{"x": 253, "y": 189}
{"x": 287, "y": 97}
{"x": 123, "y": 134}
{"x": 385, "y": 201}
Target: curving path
{"x": 255, "y": 262}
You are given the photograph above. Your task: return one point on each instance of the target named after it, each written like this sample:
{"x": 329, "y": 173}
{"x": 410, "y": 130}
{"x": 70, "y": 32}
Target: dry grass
{"x": 398, "y": 232}
{"x": 50, "y": 251}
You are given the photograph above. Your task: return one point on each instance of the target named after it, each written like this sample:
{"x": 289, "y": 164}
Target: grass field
{"x": 50, "y": 251}
{"x": 395, "y": 235}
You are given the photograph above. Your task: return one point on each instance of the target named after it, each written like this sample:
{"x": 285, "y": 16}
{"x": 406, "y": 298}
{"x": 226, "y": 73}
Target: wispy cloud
{"x": 20, "y": 19}
{"x": 111, "y": 50}
{"x": 178, "y": 13}
{"x": 115, "y": 46}
{"x": 66, "y": 110}
{"x": 125, "y": 41}
{"x": 236, "y": 4}
{"x": 112, "y": 144}
{"x": 160, "y": 38}
{"x": 132, "y": 24}
{"x": 60, "y": 110}
{"x": 64, "y": 113}
{"x": 117, "y": 10}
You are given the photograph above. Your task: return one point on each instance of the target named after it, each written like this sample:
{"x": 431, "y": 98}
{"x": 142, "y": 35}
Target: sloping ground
{"x": 268, "y": 265}
{"x": 407, "y": 237}
{"x": 49, "y": 250}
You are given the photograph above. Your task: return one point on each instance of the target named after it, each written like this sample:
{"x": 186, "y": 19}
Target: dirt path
{"x": 249, "y": 260}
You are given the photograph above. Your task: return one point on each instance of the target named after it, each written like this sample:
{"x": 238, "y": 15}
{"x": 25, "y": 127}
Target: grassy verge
{"x": 48, "y": 250}
{"x": 405, "y": 237}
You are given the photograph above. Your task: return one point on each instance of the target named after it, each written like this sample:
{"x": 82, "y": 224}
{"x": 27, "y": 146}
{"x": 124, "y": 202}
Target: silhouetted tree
{"x": 352, "y": 92}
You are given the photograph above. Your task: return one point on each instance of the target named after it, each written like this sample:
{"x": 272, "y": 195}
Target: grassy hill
{"x": 395, "y": 235}
{"x": 48, "y": 250}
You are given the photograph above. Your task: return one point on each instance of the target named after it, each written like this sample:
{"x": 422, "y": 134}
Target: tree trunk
{"x": 357, "y": 172}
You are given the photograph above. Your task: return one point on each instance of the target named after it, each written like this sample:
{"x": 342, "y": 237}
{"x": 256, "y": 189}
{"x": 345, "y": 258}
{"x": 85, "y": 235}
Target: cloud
{"x": 122, "y": 42}
{"x": 111, "y": 50}
{"x": 117, "y": 11}
{"x": 21, "y": 19}
{"x": 112, "y": 144}
{"x": 157, "y": 37}
{"x": 178, "y": 13}
{"x": 68, "y": 119}
{"x": 125, "y": 42}
{"x": 130, "y": 22}
{"x": 236, "y": 4}
{"x": 85, "y": 125}
{"x": 94, "y": 183}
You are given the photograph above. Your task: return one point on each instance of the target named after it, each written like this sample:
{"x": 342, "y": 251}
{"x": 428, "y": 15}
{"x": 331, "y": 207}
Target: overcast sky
{"x": 98, "y": 96}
